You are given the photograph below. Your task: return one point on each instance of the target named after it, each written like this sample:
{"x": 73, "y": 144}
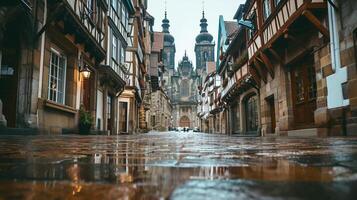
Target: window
{"x": 355, "y": 43}
{"x": 114, "y": 48}
{"x": 115, "y": 4}
{"x": 89, "y": 5}
{"x": 57, "y": 77}
{"x": 109, "y": 107}
{"x": 345, "y": 90}
{"x": 312, "y": 83}
{"x": 153, "y": 123}
{"x": 123, "y": 17}
{"x": 276, "y": 2}
{"x": 205, "y": 56}
{"x": 184, "y": 89}
{"x": 266, "y": 8}
{"x": 300, "y": 94}
{"x": 251, "y": 32}
{"x": 122, "y": 53}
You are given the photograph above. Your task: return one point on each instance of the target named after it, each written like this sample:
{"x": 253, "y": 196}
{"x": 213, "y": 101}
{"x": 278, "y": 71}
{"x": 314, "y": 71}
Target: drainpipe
{"x": 40, "y": 79}
{"x": 334, "y": 81}
{"x": 42, "y": 53}
{"x": 335, "y": 39}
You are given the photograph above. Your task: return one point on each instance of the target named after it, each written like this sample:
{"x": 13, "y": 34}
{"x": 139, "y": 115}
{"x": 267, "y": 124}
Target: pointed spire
{"x": 165, "y": 22}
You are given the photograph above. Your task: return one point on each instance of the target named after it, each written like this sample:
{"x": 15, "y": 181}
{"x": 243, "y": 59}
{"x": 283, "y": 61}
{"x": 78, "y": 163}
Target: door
{"x": 303, "y": 84}
{"x": 123, "y": 117}
{"x": 9, "y": 80}
{"x": 271, "y": 105}
{"x": 87, "y": 92}
{"x": 251, "y": 111}
{"x": 185, "y": 122}
{"x": 110, "y": 113}
{"x": 235, "y": 116}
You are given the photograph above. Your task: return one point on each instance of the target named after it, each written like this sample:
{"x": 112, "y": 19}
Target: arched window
{"x": 184, "y": 88}
{"x": 205, "y": 56}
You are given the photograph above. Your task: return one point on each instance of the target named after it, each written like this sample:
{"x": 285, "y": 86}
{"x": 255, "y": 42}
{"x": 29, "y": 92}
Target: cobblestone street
{"x": 177, "y": 166}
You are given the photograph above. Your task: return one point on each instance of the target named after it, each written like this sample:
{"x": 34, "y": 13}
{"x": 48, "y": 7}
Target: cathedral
{"x": 181, "y": 83}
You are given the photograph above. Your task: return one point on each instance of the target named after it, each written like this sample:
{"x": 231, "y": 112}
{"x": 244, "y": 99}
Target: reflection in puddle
{"x": 156, "y": 166}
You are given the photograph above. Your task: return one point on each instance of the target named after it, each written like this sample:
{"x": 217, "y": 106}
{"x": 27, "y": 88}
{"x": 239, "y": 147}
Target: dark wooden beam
{"x": 316, "y": 22}
{"x": 51, "y": 18}
{"x": 268, "y": 64}
{"x": 254, "y": 74}
{"x": 260, "y": 70}
{"x": 276, "y": 56}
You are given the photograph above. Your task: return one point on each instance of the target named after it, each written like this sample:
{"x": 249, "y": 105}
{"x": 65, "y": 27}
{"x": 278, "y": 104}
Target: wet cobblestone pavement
{"x": 177, "y": 166}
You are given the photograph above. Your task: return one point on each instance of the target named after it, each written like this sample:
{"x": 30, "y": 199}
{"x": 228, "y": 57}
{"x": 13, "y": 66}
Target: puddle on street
{"x": 176, "y": 166}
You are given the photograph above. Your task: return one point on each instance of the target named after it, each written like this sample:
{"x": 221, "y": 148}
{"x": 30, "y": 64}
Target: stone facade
{"x": 184, "y": 85}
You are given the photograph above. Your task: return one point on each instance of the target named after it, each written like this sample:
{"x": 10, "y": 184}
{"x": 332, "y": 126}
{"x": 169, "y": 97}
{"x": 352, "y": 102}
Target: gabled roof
{"x": 231, "y": 27}
{"x": 158, "y": 43}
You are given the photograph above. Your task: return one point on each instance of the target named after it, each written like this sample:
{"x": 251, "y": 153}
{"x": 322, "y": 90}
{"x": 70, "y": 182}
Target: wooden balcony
{"x": 286, "y": 12}
{"x": 231, "y": 84}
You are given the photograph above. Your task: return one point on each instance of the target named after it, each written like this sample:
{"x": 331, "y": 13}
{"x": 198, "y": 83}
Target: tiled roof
{"x": 231, "y": 27}
{"x": 211, "y": 67}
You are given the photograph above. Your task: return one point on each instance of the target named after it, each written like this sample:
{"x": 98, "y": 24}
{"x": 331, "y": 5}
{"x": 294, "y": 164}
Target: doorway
{"x": 10, "y": 57}
{"x": 304, "y": 93}
{"x": 110, "y": 113}
{"x": 123, "y": 117}
{"x": 271, "y": 106}
{"x": 185, "y": 122}
{"x": 251, "y": 111}
{"x": 235, "y": 117}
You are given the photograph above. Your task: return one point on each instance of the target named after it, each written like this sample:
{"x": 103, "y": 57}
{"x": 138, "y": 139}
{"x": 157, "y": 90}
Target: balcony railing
{"x": 231, "y": 83}
{"x": 92, "y": 20}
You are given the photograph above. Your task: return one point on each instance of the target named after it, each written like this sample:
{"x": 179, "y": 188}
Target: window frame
{"x": 64, "y": 77}
{"x": 355, "y": 44}
{"x": 114, "y": 44}
{"x": 267, "y": 14}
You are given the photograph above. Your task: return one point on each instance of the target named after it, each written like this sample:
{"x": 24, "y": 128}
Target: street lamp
{"x": 85, "y": 71}
{"x": 84, "y": 68}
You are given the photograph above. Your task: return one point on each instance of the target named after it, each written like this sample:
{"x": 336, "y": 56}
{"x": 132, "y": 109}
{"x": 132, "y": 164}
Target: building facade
{"x": 75, "y": 56}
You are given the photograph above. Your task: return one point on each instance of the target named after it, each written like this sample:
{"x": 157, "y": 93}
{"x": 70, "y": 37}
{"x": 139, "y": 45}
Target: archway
{"x": 15, "y": 47}
{"x": 185, "y": 122}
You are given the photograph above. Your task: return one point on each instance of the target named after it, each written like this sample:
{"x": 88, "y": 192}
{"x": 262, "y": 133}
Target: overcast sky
{"x": 185, "y": 16}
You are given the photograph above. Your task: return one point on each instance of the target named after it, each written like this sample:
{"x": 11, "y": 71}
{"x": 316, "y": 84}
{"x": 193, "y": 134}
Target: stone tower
{"x": 168, "y": 56}
{"x": 204, "y": 47}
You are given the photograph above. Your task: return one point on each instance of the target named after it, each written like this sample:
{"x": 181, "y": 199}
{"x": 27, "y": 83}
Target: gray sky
{"x": 185, "y": 16}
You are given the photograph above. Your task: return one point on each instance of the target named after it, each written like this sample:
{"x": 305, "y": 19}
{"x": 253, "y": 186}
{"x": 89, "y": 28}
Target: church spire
{"x": 203, "y": 23}
{"x": 203, "y": 20}
{"x": 165, "y": 22}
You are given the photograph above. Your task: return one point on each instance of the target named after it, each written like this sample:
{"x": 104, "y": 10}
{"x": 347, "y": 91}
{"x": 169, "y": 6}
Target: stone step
{"x": 19, "y": 131}
{"x": 312, "y": 132}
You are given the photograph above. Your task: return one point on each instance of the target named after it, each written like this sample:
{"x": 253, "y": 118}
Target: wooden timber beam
{"x": 276, "y": 55}
{"x": 316, "y": 22}
{"x": 254, "y": 74}
{"x": 260, "y": 70}
{"x": 268, "y": 64}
